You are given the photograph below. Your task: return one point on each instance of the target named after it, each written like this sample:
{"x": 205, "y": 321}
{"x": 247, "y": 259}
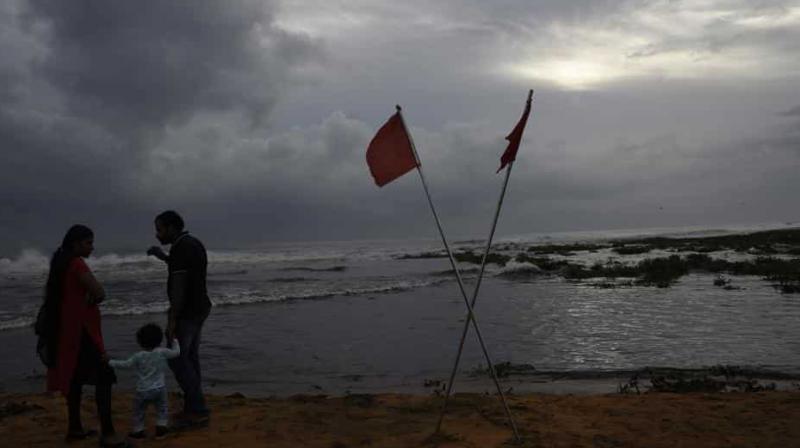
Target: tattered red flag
{"x": 389, "y": 154}
{"x": 515, "y": 136}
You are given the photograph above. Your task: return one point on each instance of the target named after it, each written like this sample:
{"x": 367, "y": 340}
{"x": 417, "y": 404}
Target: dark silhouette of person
{"x": 189, "y": 306}
{"x": 73, "y": 349}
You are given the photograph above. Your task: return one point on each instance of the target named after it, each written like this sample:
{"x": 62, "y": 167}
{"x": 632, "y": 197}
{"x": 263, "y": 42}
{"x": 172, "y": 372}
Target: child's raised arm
{"x": 172, "y": 352}
{"x": 123, "y": 364}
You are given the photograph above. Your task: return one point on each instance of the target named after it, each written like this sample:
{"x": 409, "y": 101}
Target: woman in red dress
{"x": 76, "y": 346}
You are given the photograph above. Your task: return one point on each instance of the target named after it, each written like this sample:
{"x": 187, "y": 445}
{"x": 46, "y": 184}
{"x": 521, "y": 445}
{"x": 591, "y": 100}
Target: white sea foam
{"x": 30, "y": 261}
{"x": 19, "y": 322}
{"x": 313, "y": 294}
{"x": 513, "y": 267}
{"x": 117, "y": 307}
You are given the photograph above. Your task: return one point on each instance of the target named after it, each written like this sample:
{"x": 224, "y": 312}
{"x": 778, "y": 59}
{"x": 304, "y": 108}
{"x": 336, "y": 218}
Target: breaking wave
{"x": 223, "y": 299}
{"x": 30, "y": 261}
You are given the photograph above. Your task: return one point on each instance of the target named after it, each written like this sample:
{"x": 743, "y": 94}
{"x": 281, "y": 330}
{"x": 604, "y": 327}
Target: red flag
{"x": 389, "y": 154}
{"x": 515, "y": 136}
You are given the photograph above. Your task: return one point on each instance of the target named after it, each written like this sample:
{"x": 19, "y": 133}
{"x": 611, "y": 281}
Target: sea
{"x": 373, "y": 316}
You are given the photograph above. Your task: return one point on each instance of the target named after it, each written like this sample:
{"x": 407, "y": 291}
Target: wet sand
{"x": 763, "y": 419}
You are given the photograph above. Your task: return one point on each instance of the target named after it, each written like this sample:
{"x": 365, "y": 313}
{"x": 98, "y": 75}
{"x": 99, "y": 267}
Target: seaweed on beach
{"x": 565, "y": 249}
{"x": 423, "y": 255}
{"x": 439, "y": 387}
{"x": 631, "y": 386}
{"x": 469, "y": 256}
{"x": 721, "y": 378}
{"x": 504, "y": 370}
{"x": 683, "y": 385}
{"x": 770, "y": 242}
{"x": 787, "y": 288}
{"x": 725, "y": 283}
{"x": 660, "y": 272}
{"x": 631, "y": 249}
{"x": 611, "y": 269}
{"x": 663, "y": 272}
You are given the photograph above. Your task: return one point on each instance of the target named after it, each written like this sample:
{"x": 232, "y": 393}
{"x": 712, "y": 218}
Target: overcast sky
{"x": 251, "y": 118}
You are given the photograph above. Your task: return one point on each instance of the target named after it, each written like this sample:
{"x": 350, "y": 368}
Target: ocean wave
{"x": 34, "y": 262}
{"x": 252, "y": 298}
{"x": 310, "y": 269}
{"x": 121, "y": 308}
{"x": 30, "y": 261}
{"x": 516, "y": 270}
{"x": 461, "y": 270}
{"x": 293, "y": 280}
{"x": 19, "y": 322}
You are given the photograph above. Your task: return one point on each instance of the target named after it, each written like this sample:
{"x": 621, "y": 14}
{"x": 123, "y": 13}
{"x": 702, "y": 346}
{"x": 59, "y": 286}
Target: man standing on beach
{"x": 189, "y": 307}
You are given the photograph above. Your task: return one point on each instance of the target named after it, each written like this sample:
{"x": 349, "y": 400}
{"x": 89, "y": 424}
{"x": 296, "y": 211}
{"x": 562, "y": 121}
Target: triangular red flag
{"x": 515, "y": 136}
{"x": 389, "y": 154}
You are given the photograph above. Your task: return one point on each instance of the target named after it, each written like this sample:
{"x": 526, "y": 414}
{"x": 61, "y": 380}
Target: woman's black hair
{"x": 149, "y": 336}
{"x": 61, "y": 258}
{"x": 49, "y": 319}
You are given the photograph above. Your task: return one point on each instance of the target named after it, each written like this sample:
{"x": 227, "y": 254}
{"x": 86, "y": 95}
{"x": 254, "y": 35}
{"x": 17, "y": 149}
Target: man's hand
{"x": 104, "y": 357}
{"x": 169, "y": 332}
{"x": 157, "y": 252}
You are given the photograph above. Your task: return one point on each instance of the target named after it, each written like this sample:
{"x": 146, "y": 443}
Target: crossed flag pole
{"x": 392, "y": 153}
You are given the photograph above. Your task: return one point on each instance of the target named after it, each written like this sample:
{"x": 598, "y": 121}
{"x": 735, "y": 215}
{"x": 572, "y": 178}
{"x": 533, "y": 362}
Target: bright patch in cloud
{"x": 686, "y": 40}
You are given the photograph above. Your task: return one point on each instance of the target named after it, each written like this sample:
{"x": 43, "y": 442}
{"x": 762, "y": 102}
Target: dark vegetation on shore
{"x": 719, "y": 378}
{"x": 773, "y": 249}
{"x": 769, "y": 242}
{"x": 664, "y": 271}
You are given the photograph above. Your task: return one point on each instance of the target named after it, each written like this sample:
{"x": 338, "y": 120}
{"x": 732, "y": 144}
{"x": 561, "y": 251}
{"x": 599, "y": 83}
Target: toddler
{"x": 150, "y": 364}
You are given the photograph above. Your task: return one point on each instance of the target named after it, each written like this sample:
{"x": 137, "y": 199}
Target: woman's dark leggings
{"x": 102, "y": 396}
{"x": 91, "y": 369}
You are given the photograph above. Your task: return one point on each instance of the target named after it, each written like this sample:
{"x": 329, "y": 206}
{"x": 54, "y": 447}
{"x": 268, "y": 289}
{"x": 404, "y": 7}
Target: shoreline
{"x": 397, "y": 420}
{"x": 546, "y": 386}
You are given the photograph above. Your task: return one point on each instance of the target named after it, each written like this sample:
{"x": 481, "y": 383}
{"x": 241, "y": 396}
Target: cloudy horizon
{"x": 251, "y": 118}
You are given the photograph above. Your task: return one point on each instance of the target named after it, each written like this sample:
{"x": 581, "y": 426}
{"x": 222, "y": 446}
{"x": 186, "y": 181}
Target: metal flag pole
{"x": 477, "y": 289}
{"x": 474, "y": 299}
{"x": 470, "y": 313}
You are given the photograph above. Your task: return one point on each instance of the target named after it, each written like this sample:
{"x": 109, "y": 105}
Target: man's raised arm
{"x": 158, "y": 253}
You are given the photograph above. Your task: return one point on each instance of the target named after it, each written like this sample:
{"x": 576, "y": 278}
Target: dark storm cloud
{"x": 148, "y": 64}
{"x": 251, "y": 118}
{"x": 92, "y": 86}
{"x": 793, "y": 112}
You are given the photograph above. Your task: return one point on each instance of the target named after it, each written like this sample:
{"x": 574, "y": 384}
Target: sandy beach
{"x": 763, "y": 419}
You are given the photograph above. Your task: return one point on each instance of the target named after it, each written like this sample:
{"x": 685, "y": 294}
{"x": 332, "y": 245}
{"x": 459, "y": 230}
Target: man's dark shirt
{"x": 188, "y": 256}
